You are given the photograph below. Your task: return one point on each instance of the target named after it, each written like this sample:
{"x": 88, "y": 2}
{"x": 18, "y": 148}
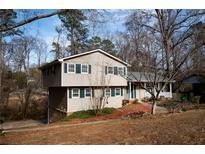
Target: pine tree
{"x": 73, "y": 22}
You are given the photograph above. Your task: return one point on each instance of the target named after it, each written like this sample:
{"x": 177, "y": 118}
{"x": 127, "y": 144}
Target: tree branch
{"x": 26, "y": 21}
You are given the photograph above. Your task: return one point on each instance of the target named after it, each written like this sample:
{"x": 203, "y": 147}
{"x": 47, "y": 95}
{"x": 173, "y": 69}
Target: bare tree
{"x": 100, "y": 83}
{"x": 168, "y": 44}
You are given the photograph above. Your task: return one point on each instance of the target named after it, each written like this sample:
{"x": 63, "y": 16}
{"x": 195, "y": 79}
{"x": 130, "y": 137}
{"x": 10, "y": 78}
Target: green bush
{"x": 108, "y": 110}
{"x": 89, "y": 113}
{"x": 136, "y": 101}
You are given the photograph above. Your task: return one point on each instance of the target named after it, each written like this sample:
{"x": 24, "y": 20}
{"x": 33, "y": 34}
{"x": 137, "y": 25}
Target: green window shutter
{"x": 93, "y": 92}
{"x": 132, "y": 91}
{"x": 115, "y": 71}
{"x": 78, "y": 68}
{"x": 112, "y": 92}
{"x": 89, "y": 69}
{"x": 121, "y": 91}
{"x": 124, "y": 71}
{"x": 70, "y": 93}
{"x": 105, "y": 69}
{"x": 65, "y": 68}
{"x": 82, "y": 94}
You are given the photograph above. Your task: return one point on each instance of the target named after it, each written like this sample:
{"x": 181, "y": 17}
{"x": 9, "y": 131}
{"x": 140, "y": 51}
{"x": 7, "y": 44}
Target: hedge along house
{"x": 73, "y": 81}
{"x": 136, "y": 91}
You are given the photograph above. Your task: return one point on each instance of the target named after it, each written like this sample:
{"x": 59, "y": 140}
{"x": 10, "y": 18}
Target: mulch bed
{"x": 126, "y": 110}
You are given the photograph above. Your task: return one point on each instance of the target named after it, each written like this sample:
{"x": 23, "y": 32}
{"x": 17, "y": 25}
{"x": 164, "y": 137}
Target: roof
{"x": 145, "y": 77}
{"x": 194, "y": 79}
{"x": 82, "y": 54}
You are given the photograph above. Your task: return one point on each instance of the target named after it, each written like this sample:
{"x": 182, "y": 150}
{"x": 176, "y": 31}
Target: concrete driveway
{"x": 21, "y": 124}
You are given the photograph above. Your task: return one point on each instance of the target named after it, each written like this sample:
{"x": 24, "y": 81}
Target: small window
{"x": 71, "y": 68}
{"x": 76, "y": 93}
{"x": 117, "y": 91}
{"x": 107, "y": 92}
{"x": 110, "y": 70}
{"x": 120, "y": 71}
{"x": 87, "y": 92}
{"x": 85, "y": 69}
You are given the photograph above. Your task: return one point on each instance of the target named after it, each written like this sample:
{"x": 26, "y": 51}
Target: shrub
{"x": 108, "y": 110}
{"x": 81, "y": 114}
{"x": 1, "y": 121}
{"x": 89, "y": 113}
{"x": 136, "y": 101}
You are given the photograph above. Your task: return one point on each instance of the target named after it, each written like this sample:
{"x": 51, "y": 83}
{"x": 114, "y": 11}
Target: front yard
{"x": 177, "y": 128}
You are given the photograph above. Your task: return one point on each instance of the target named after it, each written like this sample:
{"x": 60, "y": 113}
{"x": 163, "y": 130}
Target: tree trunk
{"x": 153, "y": 111}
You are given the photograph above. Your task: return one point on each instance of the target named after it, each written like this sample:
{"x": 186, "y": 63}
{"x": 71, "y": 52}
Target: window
{"x": 71, "y": 68}
{"x": 120, "y": 71}
{"x": 107, "y": 92}
{"x": 87, "y": 92}
{"x": 110, "y": 70}
{"x": 84, "y": 69}
{"x": 117, "y": 91}
{"x": 75, "y": 93}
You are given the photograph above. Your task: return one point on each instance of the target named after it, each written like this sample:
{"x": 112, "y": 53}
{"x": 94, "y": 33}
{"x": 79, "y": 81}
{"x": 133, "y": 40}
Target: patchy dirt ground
{"x": 179, "y": 128}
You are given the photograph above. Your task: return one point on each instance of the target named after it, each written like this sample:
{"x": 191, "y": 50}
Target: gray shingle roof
{"x": 145, "y": 77}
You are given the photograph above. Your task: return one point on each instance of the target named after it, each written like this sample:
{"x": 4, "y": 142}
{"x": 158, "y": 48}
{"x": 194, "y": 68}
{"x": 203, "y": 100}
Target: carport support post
{"x": 170, "y": 90}
{"x": 130, "y": 90}
{"x": 48, "y": 118}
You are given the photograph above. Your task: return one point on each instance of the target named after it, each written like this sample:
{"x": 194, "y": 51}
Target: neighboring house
{"x": 193, "y": 85}
{"x": 73, "y": 81}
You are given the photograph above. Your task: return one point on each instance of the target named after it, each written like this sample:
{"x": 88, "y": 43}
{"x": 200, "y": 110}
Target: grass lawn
{"x": 89, "y": 113}
{"x": 180, "y": 128}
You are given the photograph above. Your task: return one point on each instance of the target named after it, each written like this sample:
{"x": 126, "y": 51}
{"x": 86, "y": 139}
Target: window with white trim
{"x": 108, "y": 92}
{"x": 110, "y": 70}
{"x": 71, "y": 68}
{"x": 76, "y": 93}
{"x": 117, "y": 91}
{"x": 120, "y": 71}
{"x": 84, "y": 69}
{"x": 87, "y": 92}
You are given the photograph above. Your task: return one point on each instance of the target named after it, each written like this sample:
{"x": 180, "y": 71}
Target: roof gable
{"x": 93, "y": 51}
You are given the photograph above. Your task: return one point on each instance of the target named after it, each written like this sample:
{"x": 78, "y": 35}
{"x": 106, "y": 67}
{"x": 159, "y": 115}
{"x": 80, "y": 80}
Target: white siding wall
{"x": 77, "y": 104}
{"x": 98, "y": 61}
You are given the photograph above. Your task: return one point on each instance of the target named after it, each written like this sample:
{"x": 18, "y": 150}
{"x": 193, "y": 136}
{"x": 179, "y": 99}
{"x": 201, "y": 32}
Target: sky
{"x": 45, "y": 28}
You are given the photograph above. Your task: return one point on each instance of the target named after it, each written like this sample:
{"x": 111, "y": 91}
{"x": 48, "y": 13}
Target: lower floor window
{"x": 107, "y": 92}
{"x": 87, "y": 92}
{"x": 75, "y": 92}
{"x": 117, "y": 91}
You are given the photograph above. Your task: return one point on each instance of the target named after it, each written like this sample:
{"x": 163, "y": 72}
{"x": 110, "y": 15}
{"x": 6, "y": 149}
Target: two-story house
{"x": 73, "y": 81}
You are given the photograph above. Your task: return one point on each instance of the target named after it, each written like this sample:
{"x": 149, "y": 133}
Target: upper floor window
{"x": 120, "y": 71}
{"x": 110, "y": 70}
{"x": 84, "y": 69}
{"x": 71, "y": 68}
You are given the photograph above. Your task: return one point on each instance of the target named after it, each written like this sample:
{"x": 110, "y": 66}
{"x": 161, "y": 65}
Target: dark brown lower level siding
{"x": 57, "y": 103}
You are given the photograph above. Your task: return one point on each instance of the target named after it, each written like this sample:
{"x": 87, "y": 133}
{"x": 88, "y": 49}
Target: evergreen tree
{"x": 73, "y": 22}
